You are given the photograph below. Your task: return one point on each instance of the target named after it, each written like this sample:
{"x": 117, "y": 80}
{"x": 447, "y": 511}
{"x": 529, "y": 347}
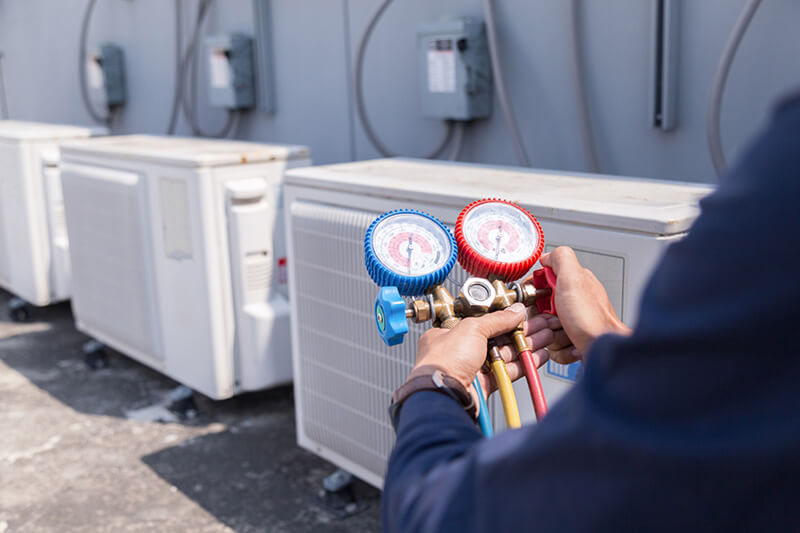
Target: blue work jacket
{"x": 690, "y": 424}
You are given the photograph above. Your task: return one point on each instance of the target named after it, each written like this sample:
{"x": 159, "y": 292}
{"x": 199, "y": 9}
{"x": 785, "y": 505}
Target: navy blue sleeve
{"x": 693, "y": 422}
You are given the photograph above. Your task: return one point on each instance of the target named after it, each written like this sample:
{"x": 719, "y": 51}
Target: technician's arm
{"x": 690, "y": 423}
{"x": 434, "y": 429}
{"x": 439, "y": 450}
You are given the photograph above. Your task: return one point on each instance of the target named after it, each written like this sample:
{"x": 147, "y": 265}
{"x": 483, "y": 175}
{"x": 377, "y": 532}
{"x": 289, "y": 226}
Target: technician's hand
{"x": 461, "y": 351}
{"x": 584, "y": 309}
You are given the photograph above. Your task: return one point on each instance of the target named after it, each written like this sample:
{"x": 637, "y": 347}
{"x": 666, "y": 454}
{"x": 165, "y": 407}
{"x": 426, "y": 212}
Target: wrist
{"x": 432, "y": 380}
{"x": 427, "y": 368}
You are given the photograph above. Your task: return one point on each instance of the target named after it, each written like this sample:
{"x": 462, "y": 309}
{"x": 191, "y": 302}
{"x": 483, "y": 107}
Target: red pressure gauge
{"x": 497, "y": 238}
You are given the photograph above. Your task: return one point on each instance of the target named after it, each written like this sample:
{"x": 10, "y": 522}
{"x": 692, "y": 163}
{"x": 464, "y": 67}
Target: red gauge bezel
{"x": 480, "y": 266}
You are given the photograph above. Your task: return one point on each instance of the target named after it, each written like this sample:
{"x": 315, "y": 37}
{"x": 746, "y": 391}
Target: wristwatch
{"x": 437, "y": 381}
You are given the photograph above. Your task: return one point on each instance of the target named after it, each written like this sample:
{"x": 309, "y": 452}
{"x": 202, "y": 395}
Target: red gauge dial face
{"x": 410, "y": 245}
{"x": 497, "y": 239}
{"x": 501, "y": 232}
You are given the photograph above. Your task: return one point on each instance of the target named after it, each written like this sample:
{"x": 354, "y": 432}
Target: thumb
{"x": 493, "y": 324}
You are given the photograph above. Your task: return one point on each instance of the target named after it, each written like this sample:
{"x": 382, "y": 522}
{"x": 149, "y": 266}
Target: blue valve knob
{"x": 390, "y": 315}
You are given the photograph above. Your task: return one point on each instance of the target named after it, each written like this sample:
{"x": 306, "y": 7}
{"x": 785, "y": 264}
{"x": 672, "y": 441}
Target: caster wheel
{"x": 96, "y": 360}
{"x": 18, "y": 310}
{"x": 338, "y": 497}
{"x": 185, "y": 409}
{"x": 20, "y": 314}
{"x": 182, "y": 403}
{"x": 95, "y": 356}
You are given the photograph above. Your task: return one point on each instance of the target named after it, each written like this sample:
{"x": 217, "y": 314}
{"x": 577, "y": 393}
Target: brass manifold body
{"x": 477, "y": 297}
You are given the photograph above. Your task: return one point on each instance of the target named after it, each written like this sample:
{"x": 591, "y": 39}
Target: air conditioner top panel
{"x": 15, "y": 130}
{"x": 639, "y": 205}
{"x": 184, "y": 152}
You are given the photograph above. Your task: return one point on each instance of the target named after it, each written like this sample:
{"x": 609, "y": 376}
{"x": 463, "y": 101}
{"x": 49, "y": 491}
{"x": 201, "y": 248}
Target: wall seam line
{"x": 348, "y": 62}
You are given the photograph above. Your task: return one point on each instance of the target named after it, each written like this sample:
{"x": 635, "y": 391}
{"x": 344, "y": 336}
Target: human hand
{"x": 584, "y": 309}
{"x": 460, "y": 352}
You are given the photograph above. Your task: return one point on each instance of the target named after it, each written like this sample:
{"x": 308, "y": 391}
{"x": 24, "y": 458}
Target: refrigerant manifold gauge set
{"x": 409, "y": 254}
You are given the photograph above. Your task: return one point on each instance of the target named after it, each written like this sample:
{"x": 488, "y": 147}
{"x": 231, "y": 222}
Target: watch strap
{"x": 437, "y": 381}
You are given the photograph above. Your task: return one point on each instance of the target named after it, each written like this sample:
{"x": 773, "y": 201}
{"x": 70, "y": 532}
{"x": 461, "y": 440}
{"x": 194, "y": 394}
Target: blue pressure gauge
{"x": 409, "y": 250}
{"x": 406, "y": 252}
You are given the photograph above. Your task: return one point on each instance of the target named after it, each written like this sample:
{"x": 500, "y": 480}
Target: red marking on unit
{"x": 283, "y": 276}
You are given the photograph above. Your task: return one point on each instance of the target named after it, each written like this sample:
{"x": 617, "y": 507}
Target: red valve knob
{"x": 481, "y": 266}
{"x": 545, "y": 278}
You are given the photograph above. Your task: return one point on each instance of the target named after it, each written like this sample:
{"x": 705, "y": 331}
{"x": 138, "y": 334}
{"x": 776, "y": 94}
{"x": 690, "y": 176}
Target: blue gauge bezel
{"x": 406, "y": 285}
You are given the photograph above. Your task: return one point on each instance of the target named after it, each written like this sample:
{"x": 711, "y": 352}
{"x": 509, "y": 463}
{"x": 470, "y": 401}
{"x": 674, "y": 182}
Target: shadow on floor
{"x": 47, "y": 350}
{"x": 248, "y": 472}
{"x": 253, "y": 477}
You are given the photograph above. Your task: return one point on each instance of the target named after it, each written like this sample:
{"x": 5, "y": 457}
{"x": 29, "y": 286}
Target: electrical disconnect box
{"x": 231, "y": 71}
{"x": 344, "y": 374}
{"x": 106, "y": 76}
{"x": 455, "y": 70}
{"x": 178, "y": 255}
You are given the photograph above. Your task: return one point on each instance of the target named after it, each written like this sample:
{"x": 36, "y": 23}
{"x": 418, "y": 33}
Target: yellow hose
{"x": 506, "y": 393}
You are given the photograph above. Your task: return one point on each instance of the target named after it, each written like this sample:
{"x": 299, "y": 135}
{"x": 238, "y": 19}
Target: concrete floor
{"x": 84, "y": 450}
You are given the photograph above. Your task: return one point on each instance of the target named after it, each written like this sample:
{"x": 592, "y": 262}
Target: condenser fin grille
{"x": 347, "y": 373}
{"x": 110, "y": 257}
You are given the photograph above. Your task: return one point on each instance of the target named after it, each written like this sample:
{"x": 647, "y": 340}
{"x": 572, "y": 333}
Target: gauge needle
{"x": 499, "y": 237}
{"x": 410, "y": 250}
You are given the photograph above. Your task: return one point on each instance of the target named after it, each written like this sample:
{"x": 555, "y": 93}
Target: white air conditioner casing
{"x": 178, "y": 255}
{"x": 34, "y": 255}
{"x": 344, "y": 375}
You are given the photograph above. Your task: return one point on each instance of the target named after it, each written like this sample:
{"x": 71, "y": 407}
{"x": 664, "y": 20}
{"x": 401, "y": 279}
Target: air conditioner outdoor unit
{"x": 178, "y": 255}
{"x": 344, "y": 375}
{"x": 34, "y": 256}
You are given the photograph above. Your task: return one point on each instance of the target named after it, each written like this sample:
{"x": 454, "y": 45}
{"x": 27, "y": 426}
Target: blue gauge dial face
{"x": 411, "y": 245}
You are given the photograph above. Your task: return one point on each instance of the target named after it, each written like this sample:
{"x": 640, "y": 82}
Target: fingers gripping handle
{"x": 545, "y": 278}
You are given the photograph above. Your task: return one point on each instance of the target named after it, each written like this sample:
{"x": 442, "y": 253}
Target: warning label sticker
{"x": 441, "y": 66}
{"x": 94, "y": 72}
{"x": 571, "y": 372}
{"x": 218, "y": 64}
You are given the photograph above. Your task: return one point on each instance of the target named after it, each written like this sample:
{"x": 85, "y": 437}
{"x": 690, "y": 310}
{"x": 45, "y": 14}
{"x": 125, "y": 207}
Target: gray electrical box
{"x": 454, "y": 69}
{"x": 230, "y": 70}
{"x": 106, "y": 76}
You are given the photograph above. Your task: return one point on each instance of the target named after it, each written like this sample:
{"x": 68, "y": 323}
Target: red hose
{"x": 534, "y": 384}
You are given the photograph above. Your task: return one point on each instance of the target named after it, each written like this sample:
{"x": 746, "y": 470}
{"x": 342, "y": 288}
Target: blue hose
{"x": 483, "y": 416}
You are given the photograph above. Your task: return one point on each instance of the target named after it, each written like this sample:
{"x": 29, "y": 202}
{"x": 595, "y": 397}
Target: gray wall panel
{"x": 314, "y": 44}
